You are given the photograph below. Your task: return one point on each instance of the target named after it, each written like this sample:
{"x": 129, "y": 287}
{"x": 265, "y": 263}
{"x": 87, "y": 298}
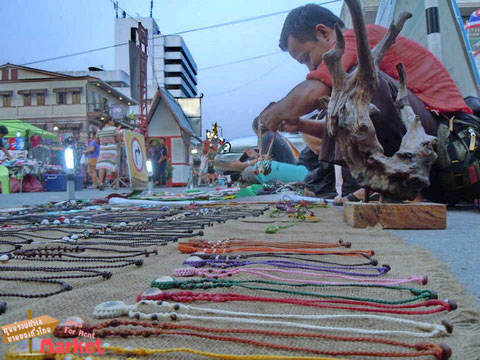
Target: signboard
{"x": 136, "y": 158}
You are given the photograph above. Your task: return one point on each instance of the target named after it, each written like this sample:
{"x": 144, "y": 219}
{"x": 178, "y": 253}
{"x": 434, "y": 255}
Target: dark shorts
{"x": 388, "y": 123}
{"x": 211, "y": 170}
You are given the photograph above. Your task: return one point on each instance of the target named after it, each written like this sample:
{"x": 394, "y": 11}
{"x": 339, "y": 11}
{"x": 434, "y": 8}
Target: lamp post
{"x": 70, "y": 165}
{"x": 149, "y": 167}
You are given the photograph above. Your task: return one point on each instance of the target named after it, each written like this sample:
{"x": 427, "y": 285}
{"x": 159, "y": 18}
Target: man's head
{"x": 263, "y": 128}
{"x": 308, "y": 32}
{"x": 162, "y": 141}
{"x": 3, "y": 131}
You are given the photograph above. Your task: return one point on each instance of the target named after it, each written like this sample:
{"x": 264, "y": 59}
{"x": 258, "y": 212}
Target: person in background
{"x": 154, "y": 154}
{"x": 211, "y": 168}
{"x": 109, "y": 137}
{"x": 92, "y": 156}
{"x": 3, "y": 132}
{"x": 203, "y": 166}
{"x": 163, "y": 162}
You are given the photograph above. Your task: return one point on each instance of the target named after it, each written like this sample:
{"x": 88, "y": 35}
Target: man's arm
{"x": 5, "y": 151}
{"x": 303, "y": 99}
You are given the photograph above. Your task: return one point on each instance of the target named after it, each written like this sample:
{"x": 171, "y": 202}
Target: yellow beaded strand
{"x": 145, "y": 352}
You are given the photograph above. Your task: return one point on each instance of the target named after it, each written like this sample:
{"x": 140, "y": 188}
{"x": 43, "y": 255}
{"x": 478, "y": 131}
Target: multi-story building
{"x": 56, "y": 101}
{"x": 170, "y": 64}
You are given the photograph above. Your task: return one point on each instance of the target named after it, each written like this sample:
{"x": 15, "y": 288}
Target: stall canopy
{"x": 15, "y": 126}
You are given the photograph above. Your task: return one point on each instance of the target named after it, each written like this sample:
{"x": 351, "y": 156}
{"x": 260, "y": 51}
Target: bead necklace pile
{"x": 147, "y": 329}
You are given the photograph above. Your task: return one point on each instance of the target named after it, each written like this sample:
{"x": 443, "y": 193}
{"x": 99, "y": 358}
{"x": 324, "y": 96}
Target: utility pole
{"x": 434, "y": 39}
{"x": 151, "y": 8}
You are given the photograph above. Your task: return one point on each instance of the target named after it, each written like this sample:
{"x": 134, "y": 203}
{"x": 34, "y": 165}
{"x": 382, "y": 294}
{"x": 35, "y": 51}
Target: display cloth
{"x": 126, "y": 284}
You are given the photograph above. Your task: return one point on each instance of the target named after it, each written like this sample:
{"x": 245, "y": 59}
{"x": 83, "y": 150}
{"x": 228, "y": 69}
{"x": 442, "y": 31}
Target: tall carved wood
{"x": 349, "y": 107}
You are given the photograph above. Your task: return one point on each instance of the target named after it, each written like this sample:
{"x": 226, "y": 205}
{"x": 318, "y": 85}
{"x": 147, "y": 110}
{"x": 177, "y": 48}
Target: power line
{"x": 242, "y": 60}
{"x": 154, "y": 37}
{"x": 246, "y": 19}
{"x": 251, "y": 81}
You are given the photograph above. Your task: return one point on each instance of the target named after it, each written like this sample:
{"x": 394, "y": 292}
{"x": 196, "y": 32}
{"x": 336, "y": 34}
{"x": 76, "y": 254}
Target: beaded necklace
{"x": 287, "y": 255}
{"x": 195, "y": 261}
{"x": 235, "y": 242}
{"x": 166, "y": 282}
{"x": 434, "y": 306}
{"x": 118, "y": 308}
{"x": 64, "y": 287}
{"x": 147, "y": 329}
{"x": 264, "y": 272}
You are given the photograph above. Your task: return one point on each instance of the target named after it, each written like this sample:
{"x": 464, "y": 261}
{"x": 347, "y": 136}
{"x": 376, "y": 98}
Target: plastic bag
{"x": 83, "y": 160}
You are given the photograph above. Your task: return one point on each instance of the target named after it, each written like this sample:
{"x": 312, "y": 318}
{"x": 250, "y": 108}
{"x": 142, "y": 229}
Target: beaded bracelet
{"x": 167, "y": 282}
{"x": 263, "y": 272}
{"x": 196, "y": 261}
{"x": 433, "y": 306}
{"x": 154, "y": 328}
{"x": 286, "y": 255}
{"x": 105, "y": 310}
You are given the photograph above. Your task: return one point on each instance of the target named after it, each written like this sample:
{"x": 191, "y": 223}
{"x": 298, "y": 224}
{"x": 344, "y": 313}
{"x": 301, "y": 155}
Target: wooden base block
{"x": 395, "y": 216}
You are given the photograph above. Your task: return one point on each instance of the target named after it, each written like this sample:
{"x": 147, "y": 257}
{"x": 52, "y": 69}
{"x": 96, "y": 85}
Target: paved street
{"x": 458, "y": 246}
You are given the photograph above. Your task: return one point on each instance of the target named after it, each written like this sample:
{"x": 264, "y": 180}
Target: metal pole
{"x": 434, "y": 40}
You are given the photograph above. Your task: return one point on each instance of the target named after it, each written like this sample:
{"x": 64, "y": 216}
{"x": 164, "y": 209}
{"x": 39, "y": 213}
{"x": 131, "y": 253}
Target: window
{"x": 40, "y": 99}
{"x": 75, "y": 97}
{"x": 61, "y": 98}
{"x": 14, "y": 74}
{"x": 6, "y": 101}
{"x": 5, "y": 74}
{"x": 27, "y": 100}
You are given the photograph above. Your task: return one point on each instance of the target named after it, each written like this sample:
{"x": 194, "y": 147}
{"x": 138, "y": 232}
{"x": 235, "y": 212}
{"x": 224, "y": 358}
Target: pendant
{"x": 111, "y": 309}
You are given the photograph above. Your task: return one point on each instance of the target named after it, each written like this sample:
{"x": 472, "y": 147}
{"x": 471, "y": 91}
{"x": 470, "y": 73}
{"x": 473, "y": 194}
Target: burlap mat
{"x": 128, "y": 282}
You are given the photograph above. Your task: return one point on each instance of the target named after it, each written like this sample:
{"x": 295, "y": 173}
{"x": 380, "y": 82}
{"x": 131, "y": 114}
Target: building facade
{"x": 56, "y": 101}
{"x": 170, "y": 64}
{"x": 166, "y": 119}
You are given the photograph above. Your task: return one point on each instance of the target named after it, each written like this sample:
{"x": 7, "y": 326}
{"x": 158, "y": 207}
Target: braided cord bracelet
{"x": 102, "y": 330}
{"x": 286, "y": 255}
{"x": 434, "y": 306}
{"x": 118, "y": 308}
{"x": 223, "y": 264}
{"x": 185, "y": 248}
{"x": 167, "y": 282}
{"x": 263, "y": 272}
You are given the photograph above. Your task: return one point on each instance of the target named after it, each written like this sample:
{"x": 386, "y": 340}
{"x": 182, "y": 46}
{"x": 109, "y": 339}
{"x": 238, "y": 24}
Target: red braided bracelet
{"x": 189, "y": 296}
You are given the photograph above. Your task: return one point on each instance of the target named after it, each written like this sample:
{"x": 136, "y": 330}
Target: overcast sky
{"x": 234, "y": 94}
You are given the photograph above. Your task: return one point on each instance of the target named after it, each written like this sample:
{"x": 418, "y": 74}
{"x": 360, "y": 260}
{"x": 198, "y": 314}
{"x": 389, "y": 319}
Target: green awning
{"x": 15, "y": 126}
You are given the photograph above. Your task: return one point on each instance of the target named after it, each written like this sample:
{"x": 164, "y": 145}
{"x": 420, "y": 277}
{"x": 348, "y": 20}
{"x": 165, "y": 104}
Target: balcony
{"x": 43, "y": 111}
{"x": 96, "y": 110}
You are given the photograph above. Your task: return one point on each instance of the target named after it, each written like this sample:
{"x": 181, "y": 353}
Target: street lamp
{"x": 149, "y": 167}
{"x": 70, "y": 165}
{"x": 19, "y": 134}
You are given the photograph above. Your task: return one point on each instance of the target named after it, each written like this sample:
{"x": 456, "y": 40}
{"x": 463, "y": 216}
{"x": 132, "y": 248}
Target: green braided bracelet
{"x": 167, "y": 282}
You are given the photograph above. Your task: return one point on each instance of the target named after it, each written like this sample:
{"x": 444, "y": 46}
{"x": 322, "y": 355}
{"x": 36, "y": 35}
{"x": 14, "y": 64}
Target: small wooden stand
{"x": 395, "y": 215}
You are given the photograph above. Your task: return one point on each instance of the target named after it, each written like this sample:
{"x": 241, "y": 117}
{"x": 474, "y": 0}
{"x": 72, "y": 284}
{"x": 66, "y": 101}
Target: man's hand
{"x": 270, "y": 117}
{"x": 273, "y": 119}
{"x": 290, "y": 125}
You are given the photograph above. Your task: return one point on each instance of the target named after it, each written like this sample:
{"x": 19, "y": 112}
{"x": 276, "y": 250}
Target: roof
{"x": 44, "y": 72}
{"x": 17, "y": 125}
{"x": 174, "y": 108}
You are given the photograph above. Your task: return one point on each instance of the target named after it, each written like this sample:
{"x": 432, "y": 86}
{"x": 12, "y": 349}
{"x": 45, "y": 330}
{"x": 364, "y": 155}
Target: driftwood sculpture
{"x": 404, "y": 174}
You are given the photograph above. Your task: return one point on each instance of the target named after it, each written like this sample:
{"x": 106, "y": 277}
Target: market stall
{"x": 35, "y": 153}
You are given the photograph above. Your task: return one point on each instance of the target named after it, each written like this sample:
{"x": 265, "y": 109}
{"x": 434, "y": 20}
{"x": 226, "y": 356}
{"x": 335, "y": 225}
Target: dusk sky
{"x": 234, "y": 94}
